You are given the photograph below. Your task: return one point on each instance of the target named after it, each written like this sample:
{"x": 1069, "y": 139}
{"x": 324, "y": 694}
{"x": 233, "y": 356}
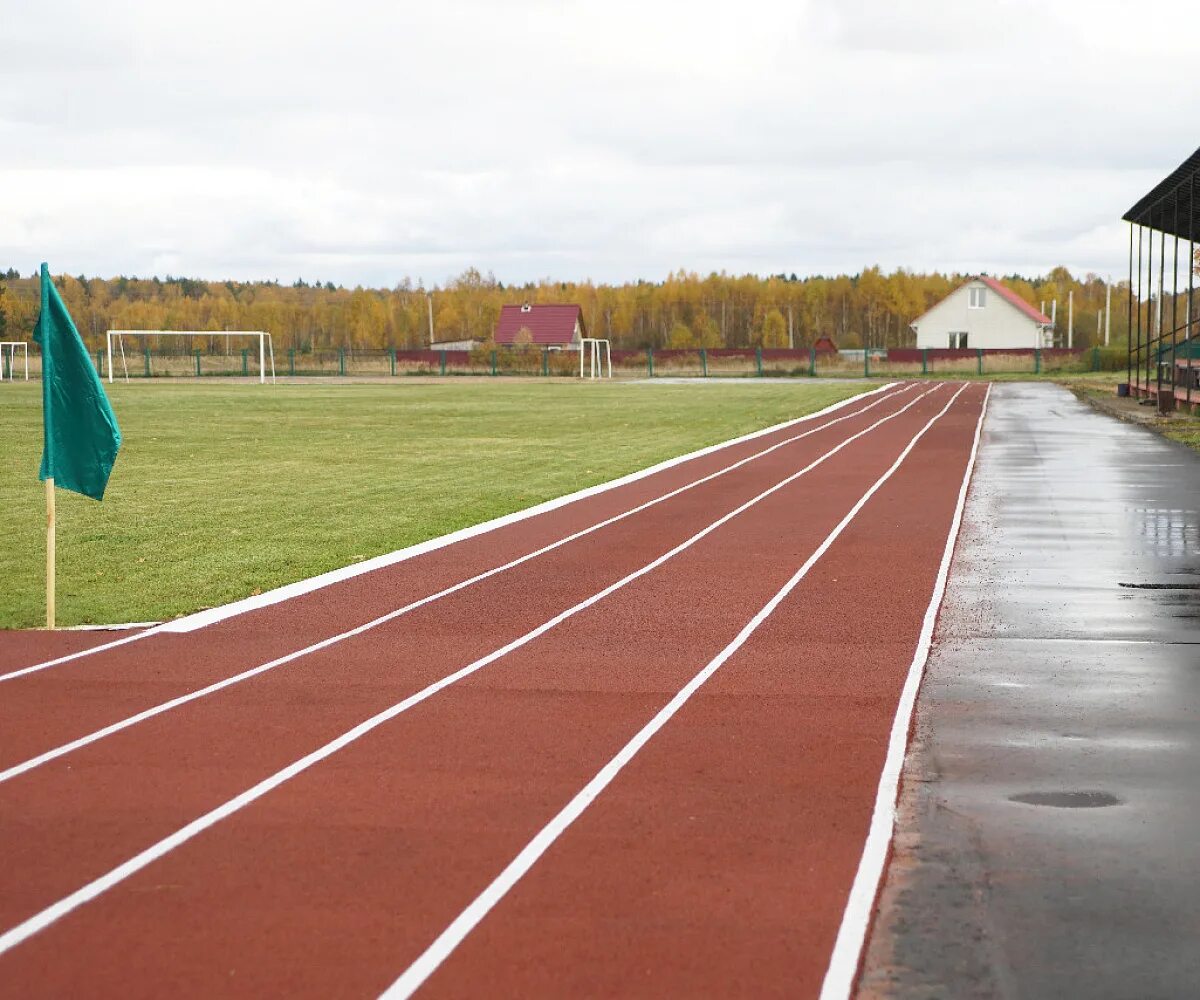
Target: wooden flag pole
{"x": 50, "y": 553}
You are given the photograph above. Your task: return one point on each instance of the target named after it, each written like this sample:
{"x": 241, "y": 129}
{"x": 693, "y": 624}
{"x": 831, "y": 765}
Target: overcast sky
{"x": 611, "y": 139}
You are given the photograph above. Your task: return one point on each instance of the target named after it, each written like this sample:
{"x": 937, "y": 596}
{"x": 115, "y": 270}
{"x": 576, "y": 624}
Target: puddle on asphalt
{"x": 1160, "y": 586}
{"x": 1066, "y": 800}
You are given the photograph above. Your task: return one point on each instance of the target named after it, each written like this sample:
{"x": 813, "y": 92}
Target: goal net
{"x": 595, "y": 352}
{"x": 266, "y": 350}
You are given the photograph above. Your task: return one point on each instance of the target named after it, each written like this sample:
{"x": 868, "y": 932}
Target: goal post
{"x": 8, "y": 358}
{"x": 598, "y": 351}
{"x": 266, "y": 349}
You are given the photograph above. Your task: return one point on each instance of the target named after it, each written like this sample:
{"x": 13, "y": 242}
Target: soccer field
{"x": 221, "y": 491}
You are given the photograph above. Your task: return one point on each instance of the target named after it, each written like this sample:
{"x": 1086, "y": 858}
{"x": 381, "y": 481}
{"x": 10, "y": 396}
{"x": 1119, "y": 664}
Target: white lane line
{"x": 212, "y": 615}
{"x": 114, "y": 627}
{"x": 856, "y": 919}
{"x": 226, "y": 682}
{"x": 79, "y": 654}
{"x": 462, "y": 925}
{"x": 11, "y": 938}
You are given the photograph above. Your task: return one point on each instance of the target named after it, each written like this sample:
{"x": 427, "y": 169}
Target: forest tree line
{"x": 871, "y": 308}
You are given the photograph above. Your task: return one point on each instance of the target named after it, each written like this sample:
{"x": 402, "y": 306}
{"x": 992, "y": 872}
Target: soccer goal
{"x": 8, "y": 358}
{"x": 597, "y": 351}
{"x": 266, "y": 350}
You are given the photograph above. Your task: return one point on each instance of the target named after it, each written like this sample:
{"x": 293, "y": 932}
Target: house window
{"x": 976, "y": 298}
{"x": 958, "y": 341}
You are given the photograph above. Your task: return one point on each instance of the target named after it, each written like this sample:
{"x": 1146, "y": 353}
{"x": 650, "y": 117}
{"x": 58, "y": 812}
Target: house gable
{"x": 548, "y": 325}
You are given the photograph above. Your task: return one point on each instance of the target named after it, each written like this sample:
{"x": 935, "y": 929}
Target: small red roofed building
{"x": 557, "y": 327}
{"x": 982, "y": 313}
{"x": 824, "y": 345}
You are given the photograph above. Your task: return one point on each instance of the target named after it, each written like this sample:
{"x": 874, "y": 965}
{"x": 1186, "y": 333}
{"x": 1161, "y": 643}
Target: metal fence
{"x": 650, "y": 363}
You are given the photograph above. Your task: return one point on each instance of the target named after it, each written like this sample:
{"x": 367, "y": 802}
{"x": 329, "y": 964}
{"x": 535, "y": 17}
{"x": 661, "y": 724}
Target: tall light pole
{"x": 1107, "y": 309}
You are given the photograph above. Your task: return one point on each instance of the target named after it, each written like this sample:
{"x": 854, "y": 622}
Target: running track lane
{"x": 109, "y": 687}
{"x": 333, "y": 882}
{"x": 225, "y": 744}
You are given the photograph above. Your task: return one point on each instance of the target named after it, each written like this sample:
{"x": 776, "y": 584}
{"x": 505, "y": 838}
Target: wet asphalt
{"x": 1049, "y": 834}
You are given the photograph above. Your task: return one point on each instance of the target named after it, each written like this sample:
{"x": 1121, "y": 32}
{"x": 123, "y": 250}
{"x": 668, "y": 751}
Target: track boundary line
{"x": 47, "y": 916}
{"x": 444, "y": 944}
{"x": 210, "y": 616}
{"x": 201, "y": 618}
{"x": 846, "y": 956}
{"x": 128, "y": 722}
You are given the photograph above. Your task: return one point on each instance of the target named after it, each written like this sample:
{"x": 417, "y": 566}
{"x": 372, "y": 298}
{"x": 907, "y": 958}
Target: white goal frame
{"x": 265, "y": 346}
{"x": 597, "y": 356}
{"x": 11, "y": 346}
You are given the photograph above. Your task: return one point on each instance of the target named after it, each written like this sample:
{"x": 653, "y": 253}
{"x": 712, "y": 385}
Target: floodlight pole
{"x": 1107, "y": 309}
{"x": 1070, "y": 319}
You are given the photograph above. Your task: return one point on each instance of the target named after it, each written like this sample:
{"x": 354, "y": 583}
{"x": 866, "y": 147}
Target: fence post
{"x": 1095, "y": 358}
{"x": 341, "y": 361}
{"x": 291, "y": 361}
{"x": 147, "y": 362}
{"x": 924, "y": 360}
{"x": 545, "y": 361}
{"x": 493, "y": 362}
{"x": 392, "y": 359}
{"x": 812, "y": 362}
{"x": 979, "y": 361}
{"x": 650, "y": 361}
{"x": 442, "y": 362}
{"x": 1037, "y": 361}
{"x": 866, "y": 362}
{"x": 99, "y": 364}
{"x": 758, "y": 361}
{"x": 197, "y": 364}
{"x": 704, "y": 362}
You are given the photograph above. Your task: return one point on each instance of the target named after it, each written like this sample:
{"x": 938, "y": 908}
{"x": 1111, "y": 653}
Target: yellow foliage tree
{"x": 681, "y": 336}
{"x": 774, "y": 330}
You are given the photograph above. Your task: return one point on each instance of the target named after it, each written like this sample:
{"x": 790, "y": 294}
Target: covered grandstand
{"x": 1164, "y": 352}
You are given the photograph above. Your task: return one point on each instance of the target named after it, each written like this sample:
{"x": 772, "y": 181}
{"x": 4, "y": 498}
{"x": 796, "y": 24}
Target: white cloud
{"x": 363, "y": 142}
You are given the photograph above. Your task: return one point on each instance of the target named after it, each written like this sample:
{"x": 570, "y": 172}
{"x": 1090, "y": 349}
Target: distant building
{"x": 824, "y": 345}
{"x": 553, "y": 326}
{"x": 467, "y": 344}
{"x": 982, "y": 313}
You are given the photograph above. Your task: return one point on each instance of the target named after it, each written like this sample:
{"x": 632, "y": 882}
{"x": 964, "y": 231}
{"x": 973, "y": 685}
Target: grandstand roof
{"x": 1169, "y": 206}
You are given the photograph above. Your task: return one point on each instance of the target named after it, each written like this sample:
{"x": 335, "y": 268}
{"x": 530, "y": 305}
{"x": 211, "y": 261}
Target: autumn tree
{"x": 680, "y": 336}
{"x": 717, "y": 309}
{"x": 706, "y": 332}
{"x": 774, "y": 330}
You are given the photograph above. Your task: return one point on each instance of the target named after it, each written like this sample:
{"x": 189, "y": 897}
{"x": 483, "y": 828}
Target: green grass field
{"x": 225, "y": 490}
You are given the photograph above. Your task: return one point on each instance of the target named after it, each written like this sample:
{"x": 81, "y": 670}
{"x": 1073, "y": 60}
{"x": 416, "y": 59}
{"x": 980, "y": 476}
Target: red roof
{"x": 549, "y": 324}
{"x": 1012, "y": 297}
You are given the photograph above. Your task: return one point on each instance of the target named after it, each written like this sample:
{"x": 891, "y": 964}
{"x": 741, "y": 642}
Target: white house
{"x": 983, "y": 313}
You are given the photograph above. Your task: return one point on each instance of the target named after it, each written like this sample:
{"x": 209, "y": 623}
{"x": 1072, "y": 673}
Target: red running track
{"x": 333, "y": 823}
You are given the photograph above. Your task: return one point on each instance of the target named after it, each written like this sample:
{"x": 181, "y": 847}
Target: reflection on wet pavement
{"x": 1048, "y": 843}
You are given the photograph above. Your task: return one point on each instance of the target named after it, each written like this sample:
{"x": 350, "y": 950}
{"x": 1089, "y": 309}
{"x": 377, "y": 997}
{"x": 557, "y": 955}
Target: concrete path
{"x": 1049, "y": 841}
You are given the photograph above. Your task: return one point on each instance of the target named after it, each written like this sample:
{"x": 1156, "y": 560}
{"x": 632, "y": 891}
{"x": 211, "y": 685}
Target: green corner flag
{"x": 81, "y": 436}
